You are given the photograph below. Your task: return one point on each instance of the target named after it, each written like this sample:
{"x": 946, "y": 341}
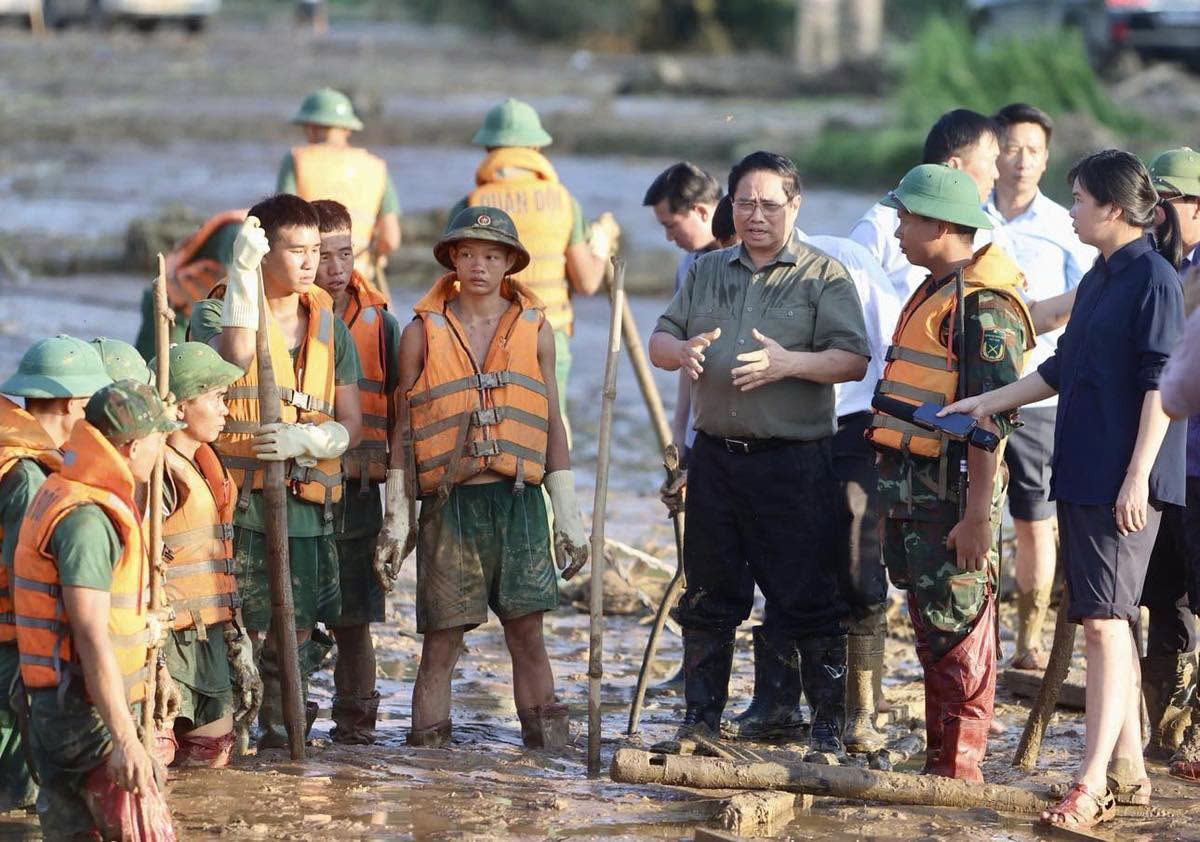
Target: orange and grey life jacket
{"x": 468, "y": 418}
{"x": 352, "y": 176}
{"x": 198, "y": 540}
{"x": 306, "y": 389}
{"x": 93, "y": 472}
{"x": 21, "y": 437}
{"x": 188, "y": 280}
{"x": 922, "y": 365}
{"x": 523, "y": 184}
{"x": 364, "y": 317}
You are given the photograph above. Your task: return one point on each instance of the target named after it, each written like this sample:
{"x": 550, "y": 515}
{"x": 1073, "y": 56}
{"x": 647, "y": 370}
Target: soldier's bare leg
{"x": 431, "y": 692}
{"x": 533, "y": 680}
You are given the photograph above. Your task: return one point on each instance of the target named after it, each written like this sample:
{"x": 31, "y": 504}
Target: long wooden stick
{"x": 1057, "y": 667}
{"x": 163, "y": 384}
{"x": 596, "y": 637}
{"x": 279, "y": 568}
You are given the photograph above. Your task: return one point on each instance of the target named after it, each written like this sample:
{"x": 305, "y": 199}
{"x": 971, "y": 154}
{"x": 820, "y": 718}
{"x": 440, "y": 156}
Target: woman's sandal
{"x": 1067, "y": 812}
{"x": 1131, "y": 794}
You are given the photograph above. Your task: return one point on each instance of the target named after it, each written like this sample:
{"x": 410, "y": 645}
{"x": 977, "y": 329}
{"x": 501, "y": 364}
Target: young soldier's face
{"x": 337, "y": 262}
{"x": 917, "y": 236}
{"x": 205, "y": 415}
{"x": 291, "y": 264}
{"x": 690, "y": 229}
{"x": 480, "y": 265}
{"x": 1023, "y": 156}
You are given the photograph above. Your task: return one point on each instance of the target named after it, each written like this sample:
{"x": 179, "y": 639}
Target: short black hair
{"x": 955, "y": 132}
{"x": 722, "y": 221}
{"x": 1021, "y": 112}
{"x": 331, "y": 216}
{"x": 771, "y": 162}
{"x": 284, "y": 210}
{"x": 683, "y": 185}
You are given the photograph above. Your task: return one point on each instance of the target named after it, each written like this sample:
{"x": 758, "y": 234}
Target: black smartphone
{"x": 956, "y": 425}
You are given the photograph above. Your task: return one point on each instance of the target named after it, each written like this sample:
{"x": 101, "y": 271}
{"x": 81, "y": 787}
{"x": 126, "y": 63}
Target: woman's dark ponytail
{"x": 1167, "y": 236}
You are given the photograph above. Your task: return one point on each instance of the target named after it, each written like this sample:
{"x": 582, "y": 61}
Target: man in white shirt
{"x": 1039, "y": 237}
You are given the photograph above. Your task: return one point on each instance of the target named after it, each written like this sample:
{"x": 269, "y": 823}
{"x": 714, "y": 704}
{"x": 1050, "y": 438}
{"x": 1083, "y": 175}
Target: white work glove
{"x": 158, "y": 625}
{"x": 306, "y": 443}
{"x": 570, "y": 542}
{"x": 398, "y": 537}
{"x": 241, "y": 288}
{"x": 603, "y": 238}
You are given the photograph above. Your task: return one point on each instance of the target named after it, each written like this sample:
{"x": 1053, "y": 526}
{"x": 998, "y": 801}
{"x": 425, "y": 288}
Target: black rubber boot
{"x": 823, "y": 668}
{"x": 707, "y": 662}
{"x": 774, "y": 711}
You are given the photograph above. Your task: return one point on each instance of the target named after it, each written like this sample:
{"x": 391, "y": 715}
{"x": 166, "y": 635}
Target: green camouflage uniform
{"x": 919, "y": 518}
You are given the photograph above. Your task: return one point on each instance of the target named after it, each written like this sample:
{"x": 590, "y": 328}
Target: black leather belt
{"x": 744, "y": 447}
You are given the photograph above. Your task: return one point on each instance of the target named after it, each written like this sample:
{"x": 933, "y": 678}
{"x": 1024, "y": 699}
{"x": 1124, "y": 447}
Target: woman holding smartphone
{"x": 1117, "y": 457}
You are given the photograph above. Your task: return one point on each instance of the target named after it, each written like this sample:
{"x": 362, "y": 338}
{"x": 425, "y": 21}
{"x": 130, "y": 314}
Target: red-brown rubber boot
{"x": 207, "y": 752}
{"x": 933, "y": 713}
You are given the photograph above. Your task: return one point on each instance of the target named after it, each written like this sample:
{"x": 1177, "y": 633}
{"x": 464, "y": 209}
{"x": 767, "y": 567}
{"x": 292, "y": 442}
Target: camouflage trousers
{"x": 949, "y": 600}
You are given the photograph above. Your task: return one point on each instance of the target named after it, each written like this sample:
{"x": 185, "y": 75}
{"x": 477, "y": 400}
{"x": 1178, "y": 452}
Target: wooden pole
{"x": 645, "y": 378}
{"x": 1057, "y": 667}
{"x": 279, "y": 569}
{"x": 162, "y": 382}
{"x": 595, "y": 648}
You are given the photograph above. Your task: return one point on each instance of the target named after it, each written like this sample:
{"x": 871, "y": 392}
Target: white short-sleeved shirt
{"x": 1043, "y": 244}
{"x": 876, "y": 232}
{"x": 881, "y": 311}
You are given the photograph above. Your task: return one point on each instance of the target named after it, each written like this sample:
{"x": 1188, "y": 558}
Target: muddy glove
{"x": 671, "y": 493}
{"x": 241, "y": 288}
{"x": 166, "y": 698}
{"x": 570, "y": 542}
{"x": 247, "y": 685}
{"x": 399, "y": 534}
{"x": 306, "y": 443}
{"x": 604, "y": 235}
{"x": 158, "y": 625}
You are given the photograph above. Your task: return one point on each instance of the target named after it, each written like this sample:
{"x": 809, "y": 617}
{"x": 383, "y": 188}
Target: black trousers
{"x": 859, "y": 548}
{"x": 1172, "y": 580}
{"x": 763, "y": 518}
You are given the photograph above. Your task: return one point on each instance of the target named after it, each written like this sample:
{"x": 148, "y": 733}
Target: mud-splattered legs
{"x": 431, "y": 692}
{"x": 533, "y": 681}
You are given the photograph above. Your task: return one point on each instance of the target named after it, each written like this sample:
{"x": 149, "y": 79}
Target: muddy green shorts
{"x": 486, "y": 547}
{"x": 315, "y": 592}
{"x": 362, "y": 597}
{"x": 200, "y": 668}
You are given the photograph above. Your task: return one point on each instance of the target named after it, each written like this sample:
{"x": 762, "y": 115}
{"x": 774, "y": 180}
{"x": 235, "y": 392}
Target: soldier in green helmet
{"x": 568, "y": 256}
{"x": 963, "y": 331}
{"x": 479, "y": 436}
{"x": 326, "y": 166}
{"x": 122, "y": 361}
{"x": 55, "y": 378}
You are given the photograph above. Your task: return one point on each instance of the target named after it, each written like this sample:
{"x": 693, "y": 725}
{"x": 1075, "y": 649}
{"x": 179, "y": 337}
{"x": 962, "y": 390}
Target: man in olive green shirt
{"x": 764, "y": 329}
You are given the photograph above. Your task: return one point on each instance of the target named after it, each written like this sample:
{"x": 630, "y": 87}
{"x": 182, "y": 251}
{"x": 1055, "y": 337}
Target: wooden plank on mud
{"x": 1025, "y": 684}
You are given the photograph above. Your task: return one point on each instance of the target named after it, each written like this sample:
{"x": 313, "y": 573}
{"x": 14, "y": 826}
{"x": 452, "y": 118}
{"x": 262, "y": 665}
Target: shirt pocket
{"x": 791, "y": 326}
{"x": 706, "y": 318}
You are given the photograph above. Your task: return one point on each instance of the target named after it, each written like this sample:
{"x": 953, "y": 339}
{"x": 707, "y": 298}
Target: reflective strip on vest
{"x": 195, "y": 568}
{"x": 375, "y": 386}
{"x": 292, "y": 397}
{"x": 375, "y": 422}
{"x": 486, "y": 380}
{"x": 216, "y": 532}
{"x": 487, "y": 447}
{"x": 921, "y": 358}
{"x": 484, "y": 418}
{"x": 904, "y": 390}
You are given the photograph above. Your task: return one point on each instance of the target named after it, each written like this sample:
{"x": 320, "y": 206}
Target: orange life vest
{"x": 21, "y": 437}
{"x": 188, "y": 280}
{"x": 352, "y": 176}
{"x": 922, "y": 365}
{"x": 93, "y": 472}
{"x": 364, "y": 317}
{"x": 306, "y": 389}
{"x": 198, "y": 540}
{"x": 523, "y": 184}
{"x": 468, "y": 418}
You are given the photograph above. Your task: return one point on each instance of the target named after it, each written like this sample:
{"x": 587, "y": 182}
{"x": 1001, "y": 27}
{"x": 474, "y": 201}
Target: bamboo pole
{"x": 1057, "y": 667}
{"x": 162, "y": 381}
{"x": 279, "y": 570}
{"x": 596, "y": 644}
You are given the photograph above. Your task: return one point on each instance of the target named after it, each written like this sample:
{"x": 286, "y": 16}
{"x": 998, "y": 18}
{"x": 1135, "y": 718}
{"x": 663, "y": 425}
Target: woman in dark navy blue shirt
{"x": 1117, "y": 458}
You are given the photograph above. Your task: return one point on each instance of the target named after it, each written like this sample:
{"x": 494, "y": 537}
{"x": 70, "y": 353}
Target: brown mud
{"x": 98, "y": 129}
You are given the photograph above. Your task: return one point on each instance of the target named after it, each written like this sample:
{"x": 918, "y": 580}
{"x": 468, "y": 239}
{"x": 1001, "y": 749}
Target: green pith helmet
{"x": 1177, "y": 171}
{"x": 195, "y": 368}
{"x": 58, "y": 367}
{"x": 122, "y": 361}
{"x": 482, "y": 223}
{"x": 939, "y": 192}
{"x": 128, "y": 410}
{"x": 512, "y": 123}
{"x": 327, "y": 107}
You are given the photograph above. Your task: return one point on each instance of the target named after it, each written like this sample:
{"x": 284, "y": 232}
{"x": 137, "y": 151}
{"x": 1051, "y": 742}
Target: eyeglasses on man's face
{"x": 746, "y": 207}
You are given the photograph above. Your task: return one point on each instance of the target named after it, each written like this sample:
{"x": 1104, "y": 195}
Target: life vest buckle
{"x": 490, "y": 380}
{"x": 483, "y": 447}
{"x": 301, "y": 400}
{"x": 485, "y": 417}
{"x": 225, "y": 532}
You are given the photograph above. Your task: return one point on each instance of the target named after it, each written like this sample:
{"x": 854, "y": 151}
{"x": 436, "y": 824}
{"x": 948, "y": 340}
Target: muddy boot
{"x": 545, "y": 726}
{"x": 209, "y": 752}
{"x": 823, "y": 667}
{"x": 354, "y": 719}
{"x": 271, "y": 731}
{"x": 1185, "y": 762}
{"x": 707, "y": 662}
{"x": 963, "y": 684}
{"x": 1168, "y": 683}
{"x": 1031, "y": 614}
{"x": 933, "y": 710}
{"x": 166, "y": 746}
{"x": 774, "y": 711}
{"x": 877, "y": 659}
{"x": 860, "y": 735}
{"x": 435, "y": 736}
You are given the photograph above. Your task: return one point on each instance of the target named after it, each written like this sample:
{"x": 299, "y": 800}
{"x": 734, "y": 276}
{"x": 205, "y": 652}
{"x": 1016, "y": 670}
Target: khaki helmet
{"x": 940, "y": 192}
{"x": 58, "y": 367}
{"x": 482, "y": 223}
{"x": 512, "y": 123}
{"x": 327, "y": 107}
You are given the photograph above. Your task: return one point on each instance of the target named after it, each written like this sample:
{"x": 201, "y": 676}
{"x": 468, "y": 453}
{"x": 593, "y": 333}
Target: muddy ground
{"x": 97, "y": 129}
